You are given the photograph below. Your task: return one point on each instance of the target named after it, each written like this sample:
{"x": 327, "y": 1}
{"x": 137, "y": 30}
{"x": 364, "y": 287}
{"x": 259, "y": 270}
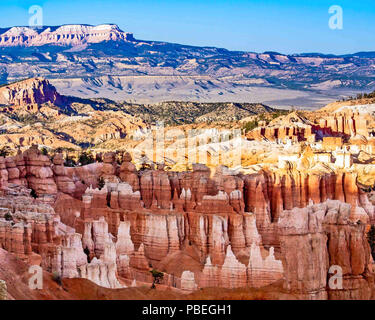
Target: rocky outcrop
{"x": 265, "y": 193}
{"x": 92, "y": 257}
{"x": 233, "y": 272}
{"x": 296, "y": 128}
{"x": 15, "y": 238}
{"x": 14, "y": 173}
{"x": 39, "y": 175}
{"x": 63, "y": 182}
{"x": 25, "y": 227}
{"x": 347, "y": 123}
{"x": 84, "y": 177}
{"x": 69, "y": 256}
{"x": 35, "y": 91}
{"x": 101, "y": 273}
{"x": 128, "y": 173}
{"x": 109, "y": 168}
{"x": 122, "y": 196}
{"x": 124, "y": 243}
{"x": 3, "y": 173}
{"x": 188, "y": 282}
{"x": 156, "y": 189}
{"x": 314, "y": 239}
{"x": 262, "y": 272}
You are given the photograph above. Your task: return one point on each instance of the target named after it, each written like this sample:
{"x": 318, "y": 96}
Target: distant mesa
{"x": 66, "y": 35}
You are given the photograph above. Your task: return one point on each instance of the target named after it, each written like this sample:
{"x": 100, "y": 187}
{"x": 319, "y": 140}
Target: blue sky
{"x": 287, "y": 26}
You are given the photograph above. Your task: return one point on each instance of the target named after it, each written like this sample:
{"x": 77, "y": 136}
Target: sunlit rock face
{"x": 31, "y": 92}
{"x": 201, "y": 229}
{"x": 67, "y": 35}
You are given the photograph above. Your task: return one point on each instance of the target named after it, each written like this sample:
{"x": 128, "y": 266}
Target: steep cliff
{"x": 34, "y": 91}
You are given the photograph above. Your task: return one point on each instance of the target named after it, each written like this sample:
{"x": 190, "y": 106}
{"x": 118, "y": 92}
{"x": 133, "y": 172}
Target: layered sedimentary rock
{"x": 314, "y": 239}
{"x": 123, "y": 197}
{"x": 265, "y": 193}
{"x": 229, "y": 241}
{"x": 92, "y": 256}
{"x": 15, "y": 238}
{"x": 69, "y": 256}
{"x": 63, "y": 182}
{"x": 109, "y": 168}
{"x": 39, "y": 174}
{"x": 96, "y": 236}
{"x": 101, "y": 273}
{"x": 296, "y": 128}
{"x": 227, "y": 229}
{"x": 233, "y": 272}
{"x": 156, "y": 189}
{"x": 4, "y": 175}
{"x": 29, "y": 92}
{"x": 262, "y": 272}
{"x": 32, "y": 231}
{"x": 128, "y": 172}
{"x": 21, "y": 166}
{"x": 68, "y": 35}
{"x": 14, "y": 173}
{"x": 25, "y": 227}
{"x": 101, "y": 251}
{"x": 84, "y": 177}
{"x": 124, "y": 243}
{"x": 349, "y": 123}
{"x": 188, "y": 281}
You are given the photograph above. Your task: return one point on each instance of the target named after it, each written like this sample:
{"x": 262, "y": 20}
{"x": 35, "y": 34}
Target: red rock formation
{"x": 128, "y": 173}
{"x": 13, "y": 171}
{"x": 233, "y": 273}
{"x": 228, "y": 230}
{"x": 25, "y": 227}
{"x": 109, "y": 168}
{"x": 320, "y": 236}
{"x": 64, "y": 183}
{"x": 3, "y": 174}
{"x": 84, "y": 177}
{"x": 29, "y": 92}
{"x": 15, "y": 238}
{"x": 21, "y": 166}
{"x": 39, "y": 174}
{"x": 262, "y": 272}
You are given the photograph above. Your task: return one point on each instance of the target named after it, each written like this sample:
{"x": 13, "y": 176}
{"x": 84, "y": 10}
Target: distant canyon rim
{"x": 104, "y": 61}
